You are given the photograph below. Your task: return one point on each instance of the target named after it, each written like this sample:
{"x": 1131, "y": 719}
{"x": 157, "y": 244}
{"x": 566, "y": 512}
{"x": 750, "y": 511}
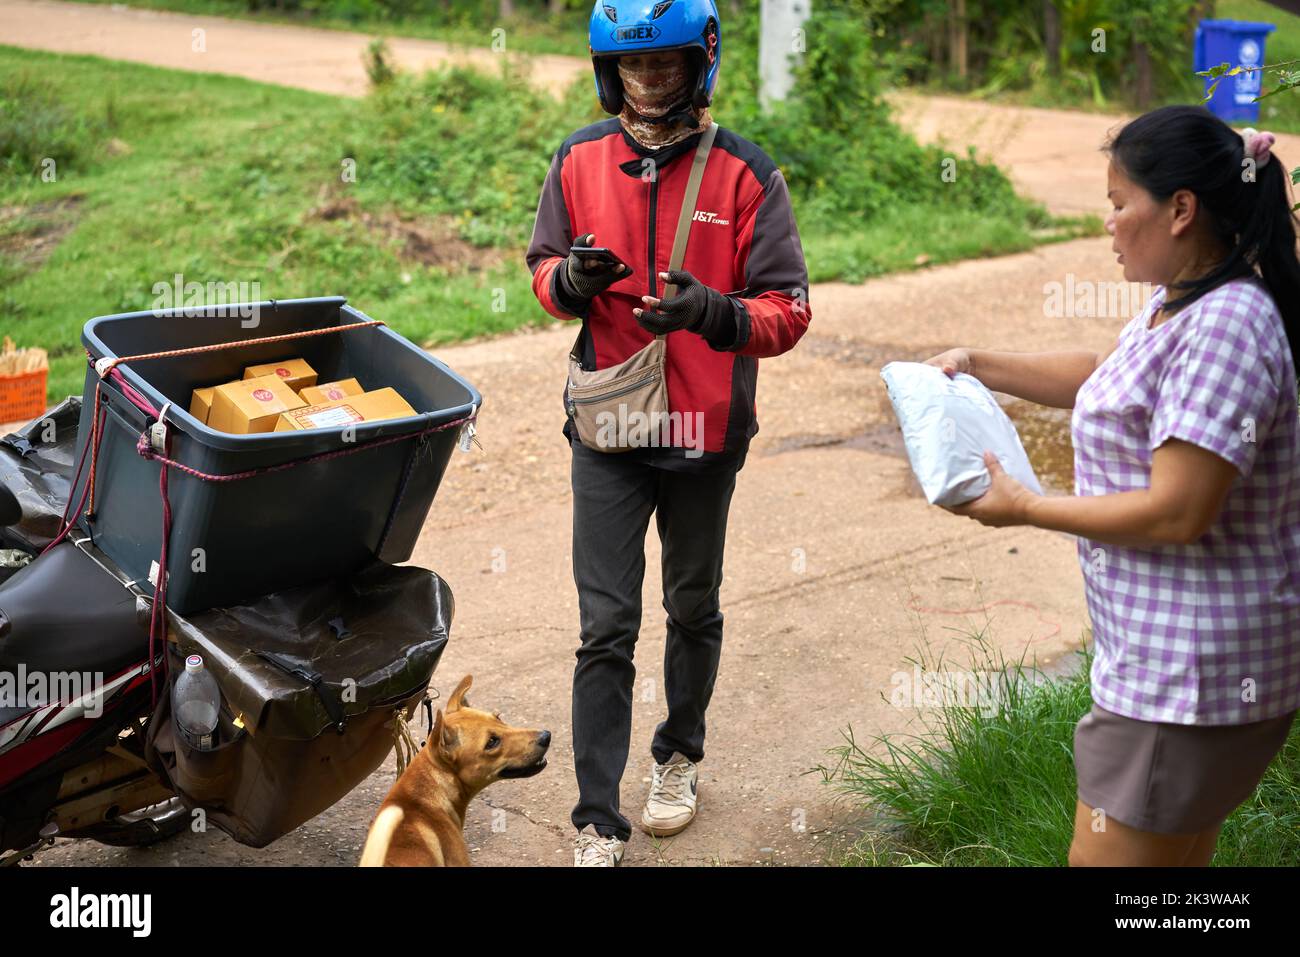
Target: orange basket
{"x": 22, "y": 397}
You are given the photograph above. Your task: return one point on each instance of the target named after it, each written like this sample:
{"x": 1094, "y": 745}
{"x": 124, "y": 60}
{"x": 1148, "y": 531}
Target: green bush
{"x": 466, "y": 144}
{"x": 1006, "y": 45}
{"x": 833, "y": 137}
{"x": 477, "y": 146}
{"x": 35, "y": 126}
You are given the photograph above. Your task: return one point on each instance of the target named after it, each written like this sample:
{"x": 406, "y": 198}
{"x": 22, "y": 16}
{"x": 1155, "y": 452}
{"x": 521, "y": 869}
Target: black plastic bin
{"x": 234, "y": 541}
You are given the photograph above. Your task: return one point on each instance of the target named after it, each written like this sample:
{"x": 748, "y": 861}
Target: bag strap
{"x": 688, "y": 204}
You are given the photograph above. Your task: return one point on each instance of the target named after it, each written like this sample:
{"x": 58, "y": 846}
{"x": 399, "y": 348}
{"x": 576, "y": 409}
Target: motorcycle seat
{"x": 65, "y": 613}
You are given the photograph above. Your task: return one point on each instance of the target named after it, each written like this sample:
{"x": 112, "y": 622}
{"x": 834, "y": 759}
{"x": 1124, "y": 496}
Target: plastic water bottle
{"x": 196, "y": 701}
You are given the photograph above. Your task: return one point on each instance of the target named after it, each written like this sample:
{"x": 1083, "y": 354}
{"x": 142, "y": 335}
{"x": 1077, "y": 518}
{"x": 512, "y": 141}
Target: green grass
{"x": 225, "y": 180}
{"x": 996, "y": 787}
{"x": 219, "y": 184}
{"x": 911, "y": 237}
{"x": 469, "y": 25}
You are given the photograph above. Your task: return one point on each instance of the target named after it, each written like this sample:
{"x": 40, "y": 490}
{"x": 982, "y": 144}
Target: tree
{"x": 958, "y": 32}
{"x": 1052, "y": 37}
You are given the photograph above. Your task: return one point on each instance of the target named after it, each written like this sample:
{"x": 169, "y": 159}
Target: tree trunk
{"x": 505, "y": 9}
{"x": 957, "y": 32}
{"x": 1142, "y": 63}
{"x": 556, "y": 7}
{"x": 1052, "y": 37}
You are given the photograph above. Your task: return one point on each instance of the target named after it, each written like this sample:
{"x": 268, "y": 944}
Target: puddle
{"x": 1045, "y": 434}
{"x": 885, "y": 439}
{"x": 856, "y": 352}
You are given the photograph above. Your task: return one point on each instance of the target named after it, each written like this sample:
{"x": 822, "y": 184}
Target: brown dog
{"x": 422, "y": 821}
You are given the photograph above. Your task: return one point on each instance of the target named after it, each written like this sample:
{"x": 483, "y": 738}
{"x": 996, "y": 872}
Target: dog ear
{"x": 443, "y": 737}
{"x": 457, "y": 699}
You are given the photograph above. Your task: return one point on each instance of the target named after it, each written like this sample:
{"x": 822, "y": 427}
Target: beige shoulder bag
{"x": 619, "y": 408}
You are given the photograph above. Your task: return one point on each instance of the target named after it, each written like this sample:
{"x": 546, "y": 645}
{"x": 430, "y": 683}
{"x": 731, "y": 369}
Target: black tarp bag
{"x": 313, "y": 680}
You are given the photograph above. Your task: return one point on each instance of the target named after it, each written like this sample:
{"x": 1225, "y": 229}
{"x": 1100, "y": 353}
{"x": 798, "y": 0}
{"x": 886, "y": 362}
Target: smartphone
{"x": 601, "y": 254}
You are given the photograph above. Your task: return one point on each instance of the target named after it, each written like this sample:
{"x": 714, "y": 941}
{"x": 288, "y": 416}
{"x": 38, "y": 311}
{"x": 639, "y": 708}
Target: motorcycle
{"x": 77, "y": 757}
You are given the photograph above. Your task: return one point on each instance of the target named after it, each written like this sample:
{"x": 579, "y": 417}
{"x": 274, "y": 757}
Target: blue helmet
{"x": 637, "y": 26}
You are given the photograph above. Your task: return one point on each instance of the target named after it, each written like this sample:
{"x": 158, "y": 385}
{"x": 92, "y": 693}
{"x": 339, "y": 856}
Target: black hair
{"x": 1188, "y": 147}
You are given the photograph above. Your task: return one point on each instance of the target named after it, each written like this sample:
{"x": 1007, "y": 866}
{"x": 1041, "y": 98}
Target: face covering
{"x": 650, "y": 94}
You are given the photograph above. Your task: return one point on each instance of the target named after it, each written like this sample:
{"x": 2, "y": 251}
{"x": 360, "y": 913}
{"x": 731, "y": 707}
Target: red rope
{"x": 146, "y": 451}
{"x": 112, "y": 364}
{"x": 158, "y": 611}
{"x": 93, "y": 445}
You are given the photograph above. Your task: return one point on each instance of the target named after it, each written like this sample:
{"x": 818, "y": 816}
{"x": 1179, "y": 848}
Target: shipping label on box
{"x": 367, "y": 407}
{"x": 319, "y": 417}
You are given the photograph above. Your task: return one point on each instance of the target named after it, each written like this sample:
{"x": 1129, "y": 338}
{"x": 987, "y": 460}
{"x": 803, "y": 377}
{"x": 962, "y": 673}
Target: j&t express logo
{"x": 640, "y": 33}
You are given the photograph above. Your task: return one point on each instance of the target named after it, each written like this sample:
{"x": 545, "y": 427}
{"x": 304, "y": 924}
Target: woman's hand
{"x": 1005, "y": 503}
{"x": 953, "y": 361}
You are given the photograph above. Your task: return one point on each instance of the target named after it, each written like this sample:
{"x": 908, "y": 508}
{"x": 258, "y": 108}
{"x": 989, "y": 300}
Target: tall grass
{"x": 38, "y": 131}
{"x": 996, "y": 787}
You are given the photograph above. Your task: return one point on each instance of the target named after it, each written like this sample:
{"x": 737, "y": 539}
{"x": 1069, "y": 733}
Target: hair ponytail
{"x": 1187, "y": 147}
{"x": 1271, "y": 232}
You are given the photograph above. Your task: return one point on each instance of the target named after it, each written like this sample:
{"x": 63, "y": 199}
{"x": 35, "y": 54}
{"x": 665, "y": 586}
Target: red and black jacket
{"x": 743, "y": 243}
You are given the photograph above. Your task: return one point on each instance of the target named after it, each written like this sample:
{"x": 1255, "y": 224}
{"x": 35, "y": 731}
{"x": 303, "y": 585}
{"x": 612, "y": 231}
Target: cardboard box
{"x": 366, "y": 407}
{"x": 251, "y": 405}
{"x": 295, "y": 373}
{"x": 201, "y": 403}
{"x": 330, "y": 391}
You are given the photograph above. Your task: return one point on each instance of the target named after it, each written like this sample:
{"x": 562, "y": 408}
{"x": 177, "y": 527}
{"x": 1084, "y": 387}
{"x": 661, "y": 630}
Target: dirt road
{"x": 328, "y": 61}
{"x": 837, "y": 570}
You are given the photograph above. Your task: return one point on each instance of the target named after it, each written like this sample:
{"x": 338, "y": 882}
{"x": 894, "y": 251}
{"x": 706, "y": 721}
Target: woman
{"x": 1187, "y": 491}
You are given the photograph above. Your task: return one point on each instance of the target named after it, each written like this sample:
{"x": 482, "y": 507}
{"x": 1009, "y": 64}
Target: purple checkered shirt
{"x": 1207, "y": 633}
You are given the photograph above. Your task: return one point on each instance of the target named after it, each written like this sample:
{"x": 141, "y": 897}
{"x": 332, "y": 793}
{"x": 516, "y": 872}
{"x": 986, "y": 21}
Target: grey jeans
{"x": 613, "y": 498}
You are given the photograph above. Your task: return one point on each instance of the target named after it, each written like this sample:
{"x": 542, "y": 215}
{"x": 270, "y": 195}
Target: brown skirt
{"x": 1171, "y": 778}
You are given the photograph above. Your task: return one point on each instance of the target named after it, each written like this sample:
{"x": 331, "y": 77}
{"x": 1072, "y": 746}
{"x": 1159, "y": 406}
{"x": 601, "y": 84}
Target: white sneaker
{"x": 674, "y": 795}
{"x": 592, "y": 850}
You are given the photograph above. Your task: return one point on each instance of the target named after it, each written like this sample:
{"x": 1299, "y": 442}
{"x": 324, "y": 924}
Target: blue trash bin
{"x": 1240, "y": 43}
